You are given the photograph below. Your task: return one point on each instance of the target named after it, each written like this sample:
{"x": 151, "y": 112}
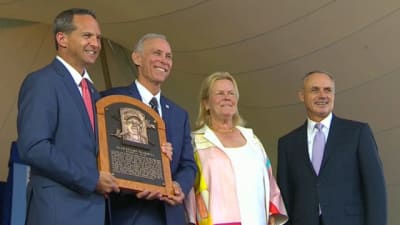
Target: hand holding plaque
{"x": 130, "y": 138}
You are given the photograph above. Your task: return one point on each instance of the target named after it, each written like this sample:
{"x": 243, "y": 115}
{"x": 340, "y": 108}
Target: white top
{"x": 248, "y": 169}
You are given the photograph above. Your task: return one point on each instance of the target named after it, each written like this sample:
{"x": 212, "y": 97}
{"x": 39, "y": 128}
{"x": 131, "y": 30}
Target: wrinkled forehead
{"x": 157, "y": 44}
{"x": 319, "y": 80}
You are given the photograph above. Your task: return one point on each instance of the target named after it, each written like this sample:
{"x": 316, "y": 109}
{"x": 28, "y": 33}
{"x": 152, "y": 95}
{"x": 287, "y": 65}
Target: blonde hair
{"x": 203, "y": 118}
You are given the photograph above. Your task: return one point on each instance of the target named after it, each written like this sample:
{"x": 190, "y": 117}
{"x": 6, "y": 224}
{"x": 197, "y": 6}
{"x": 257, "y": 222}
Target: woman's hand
{"x": 271, "y": 220}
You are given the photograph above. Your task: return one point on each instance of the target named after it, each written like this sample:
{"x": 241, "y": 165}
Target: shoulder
{"x": 248, "y": 133}
{"x": 245, "y": 130}
{"x": 199, "y": 132}
{"x": 115, "y": 91}
{"x": 353, "y": 124}
{"x": 294, "y": 133}
{"x": 166, "y": 102}
{"x": 199, "y": 139}
{"x": 42, "y": 76}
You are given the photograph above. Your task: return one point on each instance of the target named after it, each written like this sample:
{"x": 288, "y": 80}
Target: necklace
{"x": 224, "y": 131}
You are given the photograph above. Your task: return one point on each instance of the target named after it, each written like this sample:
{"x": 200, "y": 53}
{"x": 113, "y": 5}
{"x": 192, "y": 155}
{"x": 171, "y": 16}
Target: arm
{"x": 277, "y": 211}
{"x": 194, "y": 201}
{"x": 183, "y": 166}
{"x": 190, "y": 206}
{"x": 283, "y": 177}
{"x": 277, "y": 208}
{"x": 373, "y": 179}
{"x": 38, "y": 126}
{"x": 186, "y": 171}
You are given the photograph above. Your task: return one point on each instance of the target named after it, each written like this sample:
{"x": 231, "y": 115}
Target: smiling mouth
{"x": 161, "y": 69}
{"x": 321, "y": 103}
{"x": 91, "y": 52}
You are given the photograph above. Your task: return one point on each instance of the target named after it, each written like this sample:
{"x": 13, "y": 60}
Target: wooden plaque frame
{"x": 116, "y": 148}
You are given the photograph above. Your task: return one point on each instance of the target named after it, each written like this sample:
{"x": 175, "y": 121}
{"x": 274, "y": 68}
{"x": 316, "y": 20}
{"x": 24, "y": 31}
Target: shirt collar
{"x": 74, "y": 73}
{"x": 326, "y": 122}
{"x": 146, "y": 94}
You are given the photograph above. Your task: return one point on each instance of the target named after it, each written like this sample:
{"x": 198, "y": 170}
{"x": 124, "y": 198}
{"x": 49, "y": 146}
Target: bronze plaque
{"x": 130, "y": 137}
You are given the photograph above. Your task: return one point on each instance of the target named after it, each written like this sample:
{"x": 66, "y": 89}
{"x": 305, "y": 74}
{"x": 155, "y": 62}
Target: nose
{"x": 322, "y": 94}
{"x": 95, "y": 42}
{"x": 227, "y": 95}
{"x": 166, "y": 60}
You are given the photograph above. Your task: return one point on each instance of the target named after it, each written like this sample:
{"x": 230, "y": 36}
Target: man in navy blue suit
{"x": 57, "y": 134}
{"x": 153, "y": 58}
{"x": 348, "y": 186}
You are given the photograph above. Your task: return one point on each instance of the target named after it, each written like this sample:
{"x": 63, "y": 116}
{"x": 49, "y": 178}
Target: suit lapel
{"x": 167, "y": 115}
{"x": 164, "y": 105}
{"x": 134, "y": 92}
{"x": 332, "y": 141}
{"x": 165, "y": 108}
{"x": 74, "y": 92}
{"x": 302, "y": 142}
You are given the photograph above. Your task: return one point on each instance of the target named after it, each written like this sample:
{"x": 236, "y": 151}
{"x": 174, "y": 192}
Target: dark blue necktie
{"x": 154, "y": 104}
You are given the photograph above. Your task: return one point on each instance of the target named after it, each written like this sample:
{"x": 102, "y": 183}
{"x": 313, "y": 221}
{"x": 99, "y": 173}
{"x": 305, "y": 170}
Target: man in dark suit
{"x": 153, "y": 58}
{"x": 348, "y": 187}
{"x": 57, "y": 134}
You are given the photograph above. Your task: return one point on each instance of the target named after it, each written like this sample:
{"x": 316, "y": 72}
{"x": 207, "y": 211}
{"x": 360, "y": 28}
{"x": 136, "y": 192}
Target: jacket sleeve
{"x": 38, "y": 121}
{"x": 373, "y": 178}
{"x": 186, "y": 171}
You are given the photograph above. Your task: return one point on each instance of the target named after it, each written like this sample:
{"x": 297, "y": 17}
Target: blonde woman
{"x": 234, "y": 184}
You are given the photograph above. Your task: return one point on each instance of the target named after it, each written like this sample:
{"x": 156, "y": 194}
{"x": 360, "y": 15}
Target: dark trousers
{"x": 320, "y": 220}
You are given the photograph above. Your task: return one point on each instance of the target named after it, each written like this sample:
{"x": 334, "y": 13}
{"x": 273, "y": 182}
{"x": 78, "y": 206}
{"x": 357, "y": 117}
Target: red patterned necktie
{"x": 87, "y": 100}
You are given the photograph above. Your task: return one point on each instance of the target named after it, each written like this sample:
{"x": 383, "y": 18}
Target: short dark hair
{"x": 64, "y": 21}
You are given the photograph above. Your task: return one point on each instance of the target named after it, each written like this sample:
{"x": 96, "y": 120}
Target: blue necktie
{"x": 154, "y": 104}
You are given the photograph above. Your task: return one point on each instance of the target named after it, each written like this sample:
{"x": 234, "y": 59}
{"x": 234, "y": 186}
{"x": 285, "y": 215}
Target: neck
{"x": 153, "y": 88}
{"x": 70, "y": 61}
{"x": 222, "y": 127}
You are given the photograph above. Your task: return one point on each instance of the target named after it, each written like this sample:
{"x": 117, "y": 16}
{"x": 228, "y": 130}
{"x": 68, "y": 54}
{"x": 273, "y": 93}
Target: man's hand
{"x": 166, "y": 148}
{"x": 178, "y": 196}
{"x": 148, "y": 195}
{"x": 106, "y": 184}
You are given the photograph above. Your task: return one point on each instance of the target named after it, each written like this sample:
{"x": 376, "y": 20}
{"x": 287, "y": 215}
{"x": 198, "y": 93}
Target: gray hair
{"x": 319, "y": 71}
{"x": 139, "y": 45}
{"x": 314, "y": 72}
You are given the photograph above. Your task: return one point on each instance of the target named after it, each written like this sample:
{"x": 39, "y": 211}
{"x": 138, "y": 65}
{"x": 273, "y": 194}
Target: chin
{"x": 90, "y": 62}
{"x": 323, "y": 115}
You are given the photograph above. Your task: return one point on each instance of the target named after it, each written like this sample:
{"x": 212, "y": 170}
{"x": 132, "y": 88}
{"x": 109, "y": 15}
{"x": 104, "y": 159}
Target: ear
{"x": 301, "y": 95}
{"x": 136, "y": 58}
{"x": 62, "y": 39}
